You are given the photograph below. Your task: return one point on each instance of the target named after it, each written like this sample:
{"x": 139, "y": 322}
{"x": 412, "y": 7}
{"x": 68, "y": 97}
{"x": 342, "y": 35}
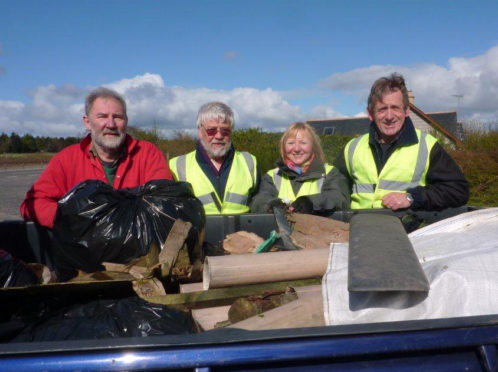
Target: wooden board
{"x": 225, "y": 296}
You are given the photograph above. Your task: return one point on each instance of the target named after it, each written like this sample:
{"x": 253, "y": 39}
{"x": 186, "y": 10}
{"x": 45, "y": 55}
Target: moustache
{"x": 114, "y": 132}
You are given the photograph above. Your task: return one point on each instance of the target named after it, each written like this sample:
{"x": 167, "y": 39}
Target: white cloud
{"x": 362, "y": 114}
{"x": 434, "y": 86}
{"x": 151, "y": 102}
{"x": 57, "y": 111}
{"x": 323, "y": 111}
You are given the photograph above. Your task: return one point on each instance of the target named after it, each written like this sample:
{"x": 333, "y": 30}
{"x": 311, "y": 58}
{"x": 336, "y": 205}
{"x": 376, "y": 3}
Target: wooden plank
{"x": 173, "y": 244}
{"x": 316, "y": 232}
{"x": 224, "y": 296}
{"x": 208, "y": 317}
{"x": 306, "y": 311}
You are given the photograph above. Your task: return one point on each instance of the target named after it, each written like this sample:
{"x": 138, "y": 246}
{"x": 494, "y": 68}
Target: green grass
{"x": 14, "y": 160}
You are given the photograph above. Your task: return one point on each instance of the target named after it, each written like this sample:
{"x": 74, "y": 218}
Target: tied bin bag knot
{"x": 96, "y": 223}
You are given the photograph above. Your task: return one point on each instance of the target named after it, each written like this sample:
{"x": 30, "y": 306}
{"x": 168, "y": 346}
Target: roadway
{"x": 14, "y": 182}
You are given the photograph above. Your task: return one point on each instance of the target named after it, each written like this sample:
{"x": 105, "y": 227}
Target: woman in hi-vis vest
{"x": 302, "y": 181}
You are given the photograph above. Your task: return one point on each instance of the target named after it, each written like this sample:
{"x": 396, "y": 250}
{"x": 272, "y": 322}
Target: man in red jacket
{"x": 107, "y": 153}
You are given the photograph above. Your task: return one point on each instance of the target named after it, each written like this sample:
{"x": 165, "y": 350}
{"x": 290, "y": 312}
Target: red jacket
{"x": 143, "y": 162}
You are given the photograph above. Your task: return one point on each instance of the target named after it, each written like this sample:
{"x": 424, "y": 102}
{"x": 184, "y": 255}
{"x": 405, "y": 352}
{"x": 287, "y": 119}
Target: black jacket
{"x": 334, "y": 195}
{"x": 446, "y": 185}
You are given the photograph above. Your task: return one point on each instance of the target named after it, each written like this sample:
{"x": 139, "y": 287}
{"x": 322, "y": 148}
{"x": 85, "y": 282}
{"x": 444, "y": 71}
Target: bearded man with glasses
{"x": 222, "y": 178}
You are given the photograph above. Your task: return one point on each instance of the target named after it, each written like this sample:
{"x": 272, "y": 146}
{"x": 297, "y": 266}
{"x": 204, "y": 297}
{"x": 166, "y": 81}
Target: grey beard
{"x": 216, "y": 154}
{"x": 110, "y": 144}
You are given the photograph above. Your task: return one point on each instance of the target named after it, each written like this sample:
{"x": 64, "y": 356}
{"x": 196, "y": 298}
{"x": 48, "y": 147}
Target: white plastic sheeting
{"x": 459, "y": 256}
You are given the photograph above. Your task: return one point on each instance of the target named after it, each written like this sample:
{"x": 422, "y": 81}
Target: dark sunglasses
{"x": 225, "y": 132}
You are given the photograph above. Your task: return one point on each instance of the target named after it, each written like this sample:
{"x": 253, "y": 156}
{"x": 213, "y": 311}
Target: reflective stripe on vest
{"x": 406, "y": 168}
{"x": 309, "y": 187}
{"x": 241, "y": 180}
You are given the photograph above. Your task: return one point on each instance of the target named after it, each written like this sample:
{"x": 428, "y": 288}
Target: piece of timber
{"x": 224, "y": 296}
{"x": 241, "y": 242}
{"x": 306, "y": 311}
{"x": 242, "y": 269}
{"x": 381, "y": 257}
{"x": 208, "y": 317}
{"x": 191, "y": 287}
{"x": 174, "y": 242}
{"x": 314, "y": 232}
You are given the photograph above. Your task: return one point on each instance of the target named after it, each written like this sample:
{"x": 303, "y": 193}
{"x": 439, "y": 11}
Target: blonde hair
{"x": 292, "y": 132}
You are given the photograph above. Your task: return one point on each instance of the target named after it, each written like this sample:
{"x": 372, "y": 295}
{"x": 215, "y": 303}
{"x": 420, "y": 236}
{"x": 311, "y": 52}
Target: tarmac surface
{"x": 14, "y": 183}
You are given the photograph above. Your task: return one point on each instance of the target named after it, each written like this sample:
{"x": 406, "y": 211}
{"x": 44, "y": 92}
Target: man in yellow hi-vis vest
{"x": 396, "y": 166}
{"x": 222, "y": 178}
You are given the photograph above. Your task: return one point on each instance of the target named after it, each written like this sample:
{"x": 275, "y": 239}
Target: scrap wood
{"x": 247, "y": 307}
{"x": 43, "y": 273}
{"x": 138, "y": 272}
{"x": 315, "y": 232}
{"x": 242, "y": 242}
{"x": 225, "y": 296}
{"x": 172, "y": 259}
{"x": 140, "y": 267}
{"x": 173, "y": 244}
{"x": 208, "y": 317}
{"x": 101, "y": 276}
{"x": 149, "y": 287}
{"x": 305, "y": 311}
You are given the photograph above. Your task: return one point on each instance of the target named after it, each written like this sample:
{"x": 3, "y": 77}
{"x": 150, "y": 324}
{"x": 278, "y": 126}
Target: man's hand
{"x": 395, "y": 201}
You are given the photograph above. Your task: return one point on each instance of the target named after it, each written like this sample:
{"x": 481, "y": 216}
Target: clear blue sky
{"x": 274, "y": 62}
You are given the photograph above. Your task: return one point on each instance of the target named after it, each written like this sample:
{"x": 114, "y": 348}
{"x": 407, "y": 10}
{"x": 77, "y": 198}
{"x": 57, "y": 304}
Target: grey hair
{"x": 102, "y": 92}
{"x": 217, "y": 111}
{"x": 385, "y": 85}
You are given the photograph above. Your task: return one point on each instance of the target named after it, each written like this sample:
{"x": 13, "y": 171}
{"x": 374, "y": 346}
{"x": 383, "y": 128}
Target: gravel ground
{"x": 14, "y": 182}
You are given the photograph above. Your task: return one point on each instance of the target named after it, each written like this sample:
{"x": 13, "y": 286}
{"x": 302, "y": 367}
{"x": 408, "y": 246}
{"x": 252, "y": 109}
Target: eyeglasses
{"x": 211, "y": 132}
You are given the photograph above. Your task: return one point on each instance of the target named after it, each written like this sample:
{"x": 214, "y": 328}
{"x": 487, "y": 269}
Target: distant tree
{"x": 55, "y": 144}
{"x": 41, "y": 143}
{"x": 15, "y": 145}
{"x": 29, "y": 143}
{"x": 4, "y": 143}
{"x": 151, "y": 135}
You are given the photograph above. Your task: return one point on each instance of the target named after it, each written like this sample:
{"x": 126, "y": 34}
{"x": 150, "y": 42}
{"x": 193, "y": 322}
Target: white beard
{"x": 218, "y": 153}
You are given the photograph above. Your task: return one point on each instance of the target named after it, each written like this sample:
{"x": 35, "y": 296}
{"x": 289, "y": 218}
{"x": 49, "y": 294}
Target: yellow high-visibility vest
{"x": 406, "y": 168}
{"x": 241, "y": 179}
{"x": 284, "y": 187}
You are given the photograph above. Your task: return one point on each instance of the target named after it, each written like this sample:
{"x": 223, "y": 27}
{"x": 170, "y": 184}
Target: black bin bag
{"x": 14, "y": 273}
{"x": 106, "y": 318}
{"x": 96, "y": 223}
